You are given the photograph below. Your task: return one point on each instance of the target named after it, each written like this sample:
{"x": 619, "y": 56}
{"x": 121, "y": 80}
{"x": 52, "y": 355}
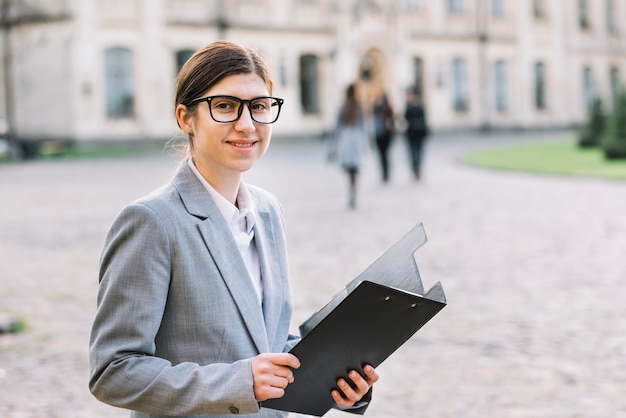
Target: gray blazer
{"x": 178, "y": 319}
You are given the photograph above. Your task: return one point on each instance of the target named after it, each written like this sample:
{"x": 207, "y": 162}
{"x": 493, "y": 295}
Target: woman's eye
{"x": 224, "y": 105}
{"x": 260, "y": 106}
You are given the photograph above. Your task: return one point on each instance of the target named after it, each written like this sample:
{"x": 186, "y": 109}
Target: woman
{"x": 194, "y": 300}
{"x": 351, "y": 137}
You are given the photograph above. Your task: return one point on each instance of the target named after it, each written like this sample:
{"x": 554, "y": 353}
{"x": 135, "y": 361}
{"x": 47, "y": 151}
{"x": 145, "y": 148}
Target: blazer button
{"x": 233, "y": 409}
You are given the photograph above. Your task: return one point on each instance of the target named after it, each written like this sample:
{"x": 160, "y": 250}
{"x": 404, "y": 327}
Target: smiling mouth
{"x": 243, "y": 144}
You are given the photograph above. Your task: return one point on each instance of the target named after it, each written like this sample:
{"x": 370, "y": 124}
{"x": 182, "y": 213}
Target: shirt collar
{"x": 230, "y": 212}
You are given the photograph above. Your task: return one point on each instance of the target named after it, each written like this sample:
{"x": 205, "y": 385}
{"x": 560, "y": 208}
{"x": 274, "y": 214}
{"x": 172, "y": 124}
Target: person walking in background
{"x": 383, "y": 131}
{"x": 417, "y": 130}
{"x": 194, "y": 302}
{"x": 351, "y": 139}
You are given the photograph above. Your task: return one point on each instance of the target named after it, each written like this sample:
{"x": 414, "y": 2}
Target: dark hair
{"x": 216, "y": 61}
{"x": 351, "y": 108}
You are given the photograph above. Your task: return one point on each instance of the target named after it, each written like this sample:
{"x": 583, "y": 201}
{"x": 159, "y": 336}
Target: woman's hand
{"x": 272, "y": 373}
{"x": 352, "y": 395}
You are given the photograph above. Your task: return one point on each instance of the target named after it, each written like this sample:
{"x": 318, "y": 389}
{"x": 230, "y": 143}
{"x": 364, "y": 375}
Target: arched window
{"x": 501, "y": 86}
{"x": 120, "y": 89}
{"x": 459, "y": 92}
{"x": 309, "y": 84}
{"x": 366, "y": 72}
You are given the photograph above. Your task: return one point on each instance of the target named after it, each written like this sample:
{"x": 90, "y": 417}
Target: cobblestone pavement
{"x": 531, "y": 265}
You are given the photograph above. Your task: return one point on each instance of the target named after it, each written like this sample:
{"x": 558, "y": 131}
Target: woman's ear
{"x": 184, "y": 119}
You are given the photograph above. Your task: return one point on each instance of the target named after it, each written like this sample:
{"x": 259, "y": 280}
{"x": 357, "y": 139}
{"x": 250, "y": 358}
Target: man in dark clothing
{"x": 384, "y": 126}
{"x": 417, "y": 130}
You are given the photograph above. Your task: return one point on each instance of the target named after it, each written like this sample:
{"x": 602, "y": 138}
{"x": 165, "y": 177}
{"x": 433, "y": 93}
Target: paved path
{"x": 532, "y": 266}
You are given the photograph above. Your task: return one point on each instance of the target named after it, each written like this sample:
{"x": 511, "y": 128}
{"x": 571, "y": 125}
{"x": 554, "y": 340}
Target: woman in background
{"x": 351, "y": 137}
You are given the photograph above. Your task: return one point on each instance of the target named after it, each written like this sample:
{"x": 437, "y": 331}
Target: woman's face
{"x": 224, "y": 151}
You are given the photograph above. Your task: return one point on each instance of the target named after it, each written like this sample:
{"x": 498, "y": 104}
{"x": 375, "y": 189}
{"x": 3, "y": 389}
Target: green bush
{"x": 614, "y": 141}
{"x": 591, "y": 134}
{"x": 12, "y": 325}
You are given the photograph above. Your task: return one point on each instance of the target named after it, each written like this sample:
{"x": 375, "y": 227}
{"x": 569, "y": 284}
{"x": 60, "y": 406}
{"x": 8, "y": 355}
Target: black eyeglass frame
{"x": 242, "y": 102}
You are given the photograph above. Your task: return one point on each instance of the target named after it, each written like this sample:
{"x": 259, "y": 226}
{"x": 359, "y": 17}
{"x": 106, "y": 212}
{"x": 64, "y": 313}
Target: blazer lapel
{"x": 264, "y": 239}
{"x": 224, "y": 252}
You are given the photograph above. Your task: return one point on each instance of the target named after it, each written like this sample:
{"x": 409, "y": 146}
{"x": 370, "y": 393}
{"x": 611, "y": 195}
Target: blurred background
{"x": 532, "y": 265}
{"x": 105, "y": 69}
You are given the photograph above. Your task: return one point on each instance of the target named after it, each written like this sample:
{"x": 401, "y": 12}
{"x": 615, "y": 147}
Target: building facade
{"x": 85, "y": 70}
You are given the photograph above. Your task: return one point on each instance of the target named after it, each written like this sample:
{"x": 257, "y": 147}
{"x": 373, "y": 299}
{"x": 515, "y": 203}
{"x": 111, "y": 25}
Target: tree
{"x": 591, "y": 134}
{"x": 614, "y": 141}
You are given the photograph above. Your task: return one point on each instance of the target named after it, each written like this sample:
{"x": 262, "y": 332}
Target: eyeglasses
{"x": 226, "y": 109}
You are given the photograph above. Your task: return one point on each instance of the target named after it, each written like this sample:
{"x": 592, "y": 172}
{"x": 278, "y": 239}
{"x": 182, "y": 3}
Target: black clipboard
{"x": 370, "y": 324}
{"x": 364, "y": 324}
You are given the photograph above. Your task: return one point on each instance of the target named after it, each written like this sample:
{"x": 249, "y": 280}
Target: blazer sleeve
{"x": 124, "y": 371}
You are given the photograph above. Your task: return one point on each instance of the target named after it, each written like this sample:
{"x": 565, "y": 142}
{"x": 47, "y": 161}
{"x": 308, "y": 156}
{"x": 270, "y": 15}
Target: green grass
{"x": 556, "y": 156}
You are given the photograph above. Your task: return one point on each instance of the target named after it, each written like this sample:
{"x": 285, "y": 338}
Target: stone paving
{"x": 532, "y": 267}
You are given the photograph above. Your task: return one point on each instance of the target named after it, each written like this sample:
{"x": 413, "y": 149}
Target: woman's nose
{"x": 245, "y": 122}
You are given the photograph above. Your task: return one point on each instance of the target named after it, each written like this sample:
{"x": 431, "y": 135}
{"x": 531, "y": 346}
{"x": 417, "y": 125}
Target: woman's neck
{"x": 224, "y": 182}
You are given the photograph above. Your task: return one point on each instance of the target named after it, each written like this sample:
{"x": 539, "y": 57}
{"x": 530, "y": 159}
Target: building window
{"x": 182, "y": 57}
{"x": 409, "y": 5}
{"x": 583, "y": 14}
{"x": 120, "y": 89}
{"x": 497, "y": 7}
{"x": 616, "y": 85}
{"x": 539, "y": 9}
{"x": 611, "y": 26}
{"x": 588, "y": 94}
{"x": 455, "y": 6}
{"x": 459, "y": 92}
{"x": 418, "y": 77}
{"x": 540, "y": 85}
{"x": 309, "y": 84}
{"x": 282, "y": 72}
{"x": 501, "y": 86}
